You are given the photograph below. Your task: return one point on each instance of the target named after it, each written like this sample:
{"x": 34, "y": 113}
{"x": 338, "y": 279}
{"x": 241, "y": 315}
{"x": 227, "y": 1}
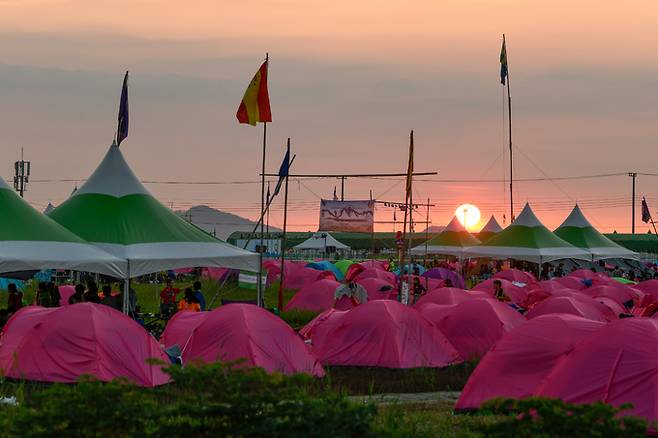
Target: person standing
{"x": 199, "y": 295}
{"x": 91, "y": 296}
{"x": 168, "y": 298}
{"x": 78, "y": 296}
{"x": 15, "y": 298}
{"x": 109, "y": 299}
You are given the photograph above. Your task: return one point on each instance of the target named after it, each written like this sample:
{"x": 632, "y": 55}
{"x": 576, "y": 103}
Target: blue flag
{"x": 122, "y": 129}
{"x": 503, "y": 63}
{"x": 283, "y": 171}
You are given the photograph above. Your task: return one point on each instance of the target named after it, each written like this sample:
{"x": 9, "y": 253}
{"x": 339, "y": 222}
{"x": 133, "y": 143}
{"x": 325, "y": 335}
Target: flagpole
{"x": 411, "y": 221}
{"x": 267, "y": 226}
{"x": 283, "y": 239}
{"x": 262, "y": 213}
{"x": 509, "y": 119}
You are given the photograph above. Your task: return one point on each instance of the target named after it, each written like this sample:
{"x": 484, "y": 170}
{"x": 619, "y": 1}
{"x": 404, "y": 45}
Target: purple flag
{"x": 122, "y": 129}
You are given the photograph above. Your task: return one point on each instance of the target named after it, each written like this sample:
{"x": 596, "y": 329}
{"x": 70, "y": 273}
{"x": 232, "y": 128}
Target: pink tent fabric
{"x": 378, "y": 289}
{"x": 315, "y": 297}
{"x": 65, "y": 293}
{"x": 377, "y": 264}
{"x": 299, "y": 277}
{"x": 619, "y": 293}
{"x": 584, "y": 307}
{"x": 322, "y": 324}
{"x": 518, "y": 363}
{"x": 345, "y": 303}
{"x": 474, "y": 326}
{"x": 617, "y": 364}
{"x": 648, "y": 287}
{"x": 570, "y": 282}
{"x": 450, "y": 295}
{"x": 376, "y": 273}
{"x": 61, "y": 344}
{"x": 353, "y": 270}
{"x": 516, "y": 275}
{"x": 178, "y": 328}
{"x": 536, "y": 295}
{"x": 435, "y": 312}
{"x": 244, "y": 331}
{"x": 611, "y": 304}
{"x": 516, "y": 294}
{"x": 385, "y": 333}
{"x": 214, "y": 273}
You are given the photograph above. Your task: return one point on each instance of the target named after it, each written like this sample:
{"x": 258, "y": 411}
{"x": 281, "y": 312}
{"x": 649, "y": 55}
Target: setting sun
{"x": 468, "y": 215}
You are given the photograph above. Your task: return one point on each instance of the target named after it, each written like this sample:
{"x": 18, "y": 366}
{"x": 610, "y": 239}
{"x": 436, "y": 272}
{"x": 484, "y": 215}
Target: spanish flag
{"x": 255, "y": 105}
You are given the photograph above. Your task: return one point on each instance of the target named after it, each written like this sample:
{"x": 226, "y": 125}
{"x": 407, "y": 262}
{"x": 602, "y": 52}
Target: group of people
{"x": 191, "y": 300}
{"x": 91, "y": 294}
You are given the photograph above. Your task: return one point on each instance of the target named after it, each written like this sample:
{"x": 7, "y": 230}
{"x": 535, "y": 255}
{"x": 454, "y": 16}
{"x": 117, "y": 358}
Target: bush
{"x": 298, "y": 318}
{"x": 209, "y": 400}
{"x": 543, "y": 417}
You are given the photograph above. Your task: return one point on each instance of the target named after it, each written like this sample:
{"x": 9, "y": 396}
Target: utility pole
{"x": 634, "y": 176}
{"x": 22, "y": 175}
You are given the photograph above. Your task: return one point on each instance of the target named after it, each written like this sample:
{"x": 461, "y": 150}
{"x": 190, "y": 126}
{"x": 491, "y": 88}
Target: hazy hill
{"x": 215, "y": 220}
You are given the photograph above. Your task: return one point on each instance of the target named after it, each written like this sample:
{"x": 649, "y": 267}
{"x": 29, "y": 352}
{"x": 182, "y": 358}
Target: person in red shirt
{"x": 168, "y": 298}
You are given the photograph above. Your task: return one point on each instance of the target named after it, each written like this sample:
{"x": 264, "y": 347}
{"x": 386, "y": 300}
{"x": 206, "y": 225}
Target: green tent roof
{"x": 116, "y": 212}
{"x": 528, "y": 239}
{"x": 31, "y": 240}
{"x": 578, "y": 231}
{"x": 453, "y": 240}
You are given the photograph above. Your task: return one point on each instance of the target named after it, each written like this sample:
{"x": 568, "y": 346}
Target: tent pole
{"x": 126, "y": 289}
{"x": 283, "y": 241}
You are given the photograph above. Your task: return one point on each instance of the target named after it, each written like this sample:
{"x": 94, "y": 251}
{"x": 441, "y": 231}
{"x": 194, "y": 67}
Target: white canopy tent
{"x": 320, "y": 241}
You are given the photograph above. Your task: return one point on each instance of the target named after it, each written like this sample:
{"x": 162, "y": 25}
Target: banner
{"x": 350, "y": 216}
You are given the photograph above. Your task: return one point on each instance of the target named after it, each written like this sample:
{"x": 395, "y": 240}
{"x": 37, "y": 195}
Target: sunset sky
{"x": 348, "y": 81}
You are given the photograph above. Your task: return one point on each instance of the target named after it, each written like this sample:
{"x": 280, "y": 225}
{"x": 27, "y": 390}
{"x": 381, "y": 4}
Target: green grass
{"x": 371, "y": 380}
{"x": 431, "y": 420}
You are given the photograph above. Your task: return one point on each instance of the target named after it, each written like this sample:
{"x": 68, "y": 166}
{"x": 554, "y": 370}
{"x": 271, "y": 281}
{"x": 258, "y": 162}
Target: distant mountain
{"x": 218, "y": 221}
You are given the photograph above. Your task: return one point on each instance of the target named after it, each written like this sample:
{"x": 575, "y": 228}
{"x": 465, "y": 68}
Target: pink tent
{"x": 570, "y": 282}
{"x": 385, "y": 333}
{"x": 536, "y": 295}
{"x": 377, "y": 264}
{"x": 516, "y": 294}
{"x": 619, "y": 293}
{"x": 450, "y": 295}
{"x": 65, "y": 292}
{"x": 214, "y": 273}
{"x": 429, "y": 283}
{"x": 315, "y": 297}
{"x": 516, "y": 275}
{"x": 376, "y": 273}
{"x": 353, "y": 270}
{"x": 242, "y": 331}
{"x": 322, "y": 324}
{"x": 617, "y": 364}
{"x": 435, "y": 312}
{"x": 616, "y": 308}
{"x": 179, "y": 327}
{"x": 61, "y": 344}
{"x": 474, "y": 326}
{"x": 378, "y": 289}
{"x": 648, "y": 287}
{"x": 584, "y": 307}
{"x": 299, "y": 277}
{"x": 519, "y": 362}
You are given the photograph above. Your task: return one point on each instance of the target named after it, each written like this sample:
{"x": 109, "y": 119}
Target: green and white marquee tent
{"x": 577, "y": 230}
{"x": 30, "y": 240}
{"x": 115, "y": 212}
{"x": 490, "y": 229}
{"x": 528, "y": 239}
{"x": 453, "y": 240}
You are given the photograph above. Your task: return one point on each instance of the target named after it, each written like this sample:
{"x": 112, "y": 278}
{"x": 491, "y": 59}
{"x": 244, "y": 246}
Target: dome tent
{"x": 114, "y": 211}
{"x": 241, "y": 331}
{"x": 60, "y": 344}
{"x": 451, "y": 241}
{"x": 577, "y": 230}
{"x": 30, "y": 240}
{"x": 528, "y": 239}
{"x": 384, "y": 333}
{"x": 541, "y": 342}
